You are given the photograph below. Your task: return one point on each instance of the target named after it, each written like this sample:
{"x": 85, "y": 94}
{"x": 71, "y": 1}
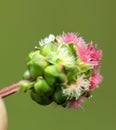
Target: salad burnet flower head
{"x": 63, "y": 69}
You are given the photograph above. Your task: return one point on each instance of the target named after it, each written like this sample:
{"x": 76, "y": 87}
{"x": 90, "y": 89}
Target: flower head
{"x": 64, "y": 70}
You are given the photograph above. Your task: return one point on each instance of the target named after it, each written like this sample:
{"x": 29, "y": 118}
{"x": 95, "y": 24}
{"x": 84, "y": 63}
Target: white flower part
{"x": 76, "y": 90}
{"x": 72, "y": 92}
{"x": 48, "y": 39}
{"x": 82, "y": 82}
{"x": 63, "y": 55}
{"x": 41, "y": 43}
{"x": 51, "y": 38}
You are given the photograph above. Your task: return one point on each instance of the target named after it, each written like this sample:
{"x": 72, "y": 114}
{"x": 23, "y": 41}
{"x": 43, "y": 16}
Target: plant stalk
{"x": 9, "y": 90}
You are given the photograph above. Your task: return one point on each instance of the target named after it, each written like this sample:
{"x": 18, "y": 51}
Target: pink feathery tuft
{"x": 71, "y": 38}
{"x": 95, "y": 79}
{"x": 89, "y": 55}
{"x": 75, "y": 104}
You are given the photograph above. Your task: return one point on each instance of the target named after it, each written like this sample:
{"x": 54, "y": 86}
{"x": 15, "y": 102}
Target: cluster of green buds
{"x": 56, "y": 73}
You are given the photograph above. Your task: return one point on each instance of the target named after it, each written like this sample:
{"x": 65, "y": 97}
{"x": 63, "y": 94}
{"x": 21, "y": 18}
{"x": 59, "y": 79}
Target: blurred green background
{"x": 22, "y": 24}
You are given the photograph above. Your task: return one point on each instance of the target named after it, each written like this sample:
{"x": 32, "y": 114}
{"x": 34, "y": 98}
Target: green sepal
{"x": 33, "y": 54}
{"x": 42, "y": 88}
{"x": 54, "y": 70}
{"x": 54, "y": 73}
{"x": 25, "y": 85}
{"x": 27, "y": 74}
{"x": 42, "y": 100}
{"x": 59, "y": 97}
{"x": 52, "y": 58}
{"x": 50, "y": 79}
{"x": 62, "y": 78}
{"x": 47, "y": 49}
{"x": 36, "y": 66}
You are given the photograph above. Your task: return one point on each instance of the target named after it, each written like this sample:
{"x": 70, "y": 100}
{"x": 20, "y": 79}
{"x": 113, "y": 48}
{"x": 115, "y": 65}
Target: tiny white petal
{"x": 51, "y": 37}
{"x": 41, "y": 43}
{"x": 46, "y": 40}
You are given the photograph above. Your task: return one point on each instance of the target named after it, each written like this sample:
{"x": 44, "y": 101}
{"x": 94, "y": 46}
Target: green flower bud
{"x": 47, "y": 49}
{"x": 32, "y": 54}
{"x": 36, "y": 66}
{"x": 42, "y": 88}
{"x": 54, "y": 70}
{"x": 42, "y": 100}
{"x": 62, "y": 78}
{"x": 50, "y": 79}
{"x": 59, "y": 97}
{"x": 25, "y": 85}
{"x": 54, "y": 73}
{"x": 52, "y": 58}
{"x": 27, "y": 74}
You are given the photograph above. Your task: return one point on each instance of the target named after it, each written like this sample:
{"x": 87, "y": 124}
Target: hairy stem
{"x": 9, "y": 90}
